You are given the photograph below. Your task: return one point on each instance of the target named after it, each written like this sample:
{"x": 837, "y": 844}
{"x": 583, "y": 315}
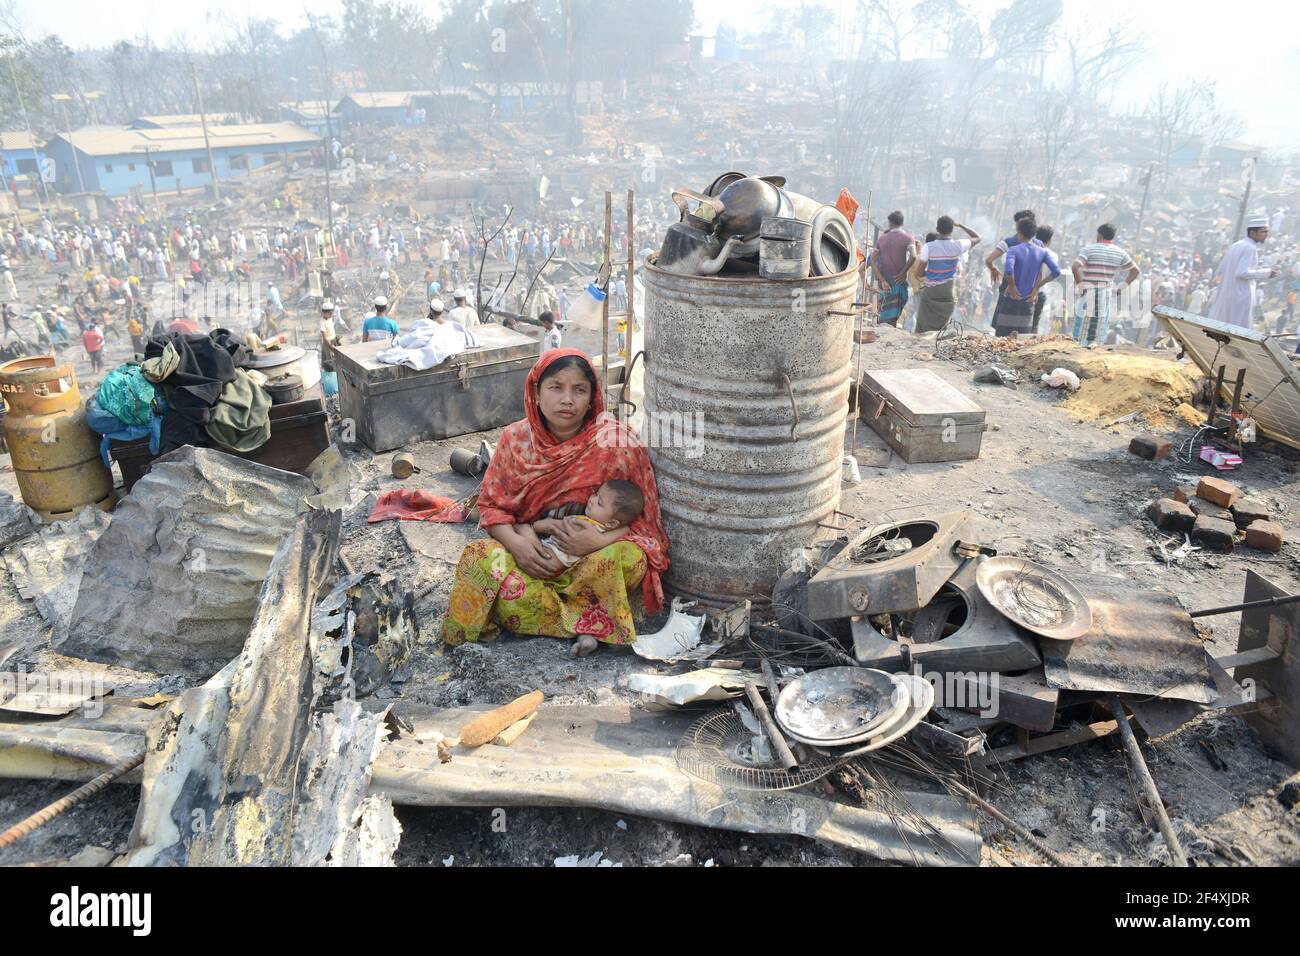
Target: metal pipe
{"x": 1140, "y": 768}
{"x": 1248, "y": 606}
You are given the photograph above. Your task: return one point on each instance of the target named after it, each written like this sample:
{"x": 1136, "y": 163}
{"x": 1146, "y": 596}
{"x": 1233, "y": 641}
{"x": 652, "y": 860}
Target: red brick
{"x": 1214, "y": 534}
{"x": 1200, "y": 506}
{"x": 1264, "y": 535}
{"x": 1222, "y": 493}
{"x": 1184, "y": 493}
{"x": 1249, "y": 510}
{"x": 1170, "y": 515}
{"x": 1150, "y": 447}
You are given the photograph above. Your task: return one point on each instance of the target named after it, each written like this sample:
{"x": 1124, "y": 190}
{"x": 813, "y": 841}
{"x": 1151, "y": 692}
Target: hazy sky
{"x": 1249, "y": 51}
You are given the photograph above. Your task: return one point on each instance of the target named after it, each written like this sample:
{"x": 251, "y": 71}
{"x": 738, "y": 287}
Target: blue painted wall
{"x": 20, "y": 162}
{"x": 117, "y": 175}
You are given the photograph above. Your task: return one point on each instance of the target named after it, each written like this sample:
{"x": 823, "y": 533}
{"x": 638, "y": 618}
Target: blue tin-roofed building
{"x": 115, "y": 160}
{"x": 16, "y": 152}
{"x": 383, "y": 107}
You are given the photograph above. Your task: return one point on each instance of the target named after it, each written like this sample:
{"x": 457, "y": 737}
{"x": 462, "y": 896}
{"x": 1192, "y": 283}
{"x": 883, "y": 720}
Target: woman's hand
{"x": 581, "y": 538}
{"x": 537, "y": 560}
{"x": 534, "y": 558}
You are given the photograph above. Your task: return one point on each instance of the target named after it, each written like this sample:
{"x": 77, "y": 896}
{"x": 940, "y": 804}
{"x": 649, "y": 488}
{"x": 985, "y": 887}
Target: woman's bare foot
{"x": 582, "y": 646}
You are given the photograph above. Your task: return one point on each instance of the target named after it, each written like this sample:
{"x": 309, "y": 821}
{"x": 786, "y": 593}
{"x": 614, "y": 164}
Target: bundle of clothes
{"x": 190, "y": 390}
{"x": 428, "y": 343}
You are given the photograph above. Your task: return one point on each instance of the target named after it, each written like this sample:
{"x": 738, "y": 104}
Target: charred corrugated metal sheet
{"x": 172, "y": 585}
{"x": 243, "y": 771}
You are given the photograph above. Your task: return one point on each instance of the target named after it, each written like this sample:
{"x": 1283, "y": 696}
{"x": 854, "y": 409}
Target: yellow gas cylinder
{"x": 55, "y": 455}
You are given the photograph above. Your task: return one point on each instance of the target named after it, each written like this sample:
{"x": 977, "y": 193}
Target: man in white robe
{"x": 1238, "y": 273}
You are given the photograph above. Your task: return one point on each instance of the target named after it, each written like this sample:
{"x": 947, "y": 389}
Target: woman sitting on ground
{"x": 560, "y": 454}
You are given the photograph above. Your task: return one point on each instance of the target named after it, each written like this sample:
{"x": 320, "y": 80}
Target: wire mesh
{"x": 716, "y": 748}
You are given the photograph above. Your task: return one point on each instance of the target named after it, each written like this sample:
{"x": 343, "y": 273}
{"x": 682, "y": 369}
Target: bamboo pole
{"x": 1143, "y": 774}
{"x": 604, "y": 309}
{"x": 780, "y": 749}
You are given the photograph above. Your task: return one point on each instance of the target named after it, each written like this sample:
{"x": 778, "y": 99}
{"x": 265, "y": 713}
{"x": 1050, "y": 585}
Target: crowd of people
{"x": 1102, "y": 294}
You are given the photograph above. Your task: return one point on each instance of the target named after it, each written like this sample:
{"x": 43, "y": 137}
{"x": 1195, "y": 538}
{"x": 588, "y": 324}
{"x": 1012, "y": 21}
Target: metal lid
{"x": 270, "y": 358}
{"x": 920, "y": 397}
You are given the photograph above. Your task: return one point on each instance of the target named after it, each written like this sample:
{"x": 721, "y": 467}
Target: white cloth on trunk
{"x": 427, "y": 343}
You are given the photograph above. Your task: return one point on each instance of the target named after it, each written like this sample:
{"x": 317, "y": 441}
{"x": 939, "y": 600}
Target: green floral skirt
{"x": 589, "y": 598}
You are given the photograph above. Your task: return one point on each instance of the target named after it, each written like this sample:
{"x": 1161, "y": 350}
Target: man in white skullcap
{"x": 328, "y": 333}
{"x": 379, "y": 327}
{"x": 462, "y": 313}
{"x": 1238, "y": 273}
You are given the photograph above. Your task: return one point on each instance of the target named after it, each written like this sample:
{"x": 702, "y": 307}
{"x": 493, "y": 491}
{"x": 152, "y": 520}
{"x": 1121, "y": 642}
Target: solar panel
{"x": 1271, "y": 395}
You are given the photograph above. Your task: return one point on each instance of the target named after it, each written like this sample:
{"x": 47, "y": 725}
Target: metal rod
{"x": 871, "y": 309}
{"x": 630, "y": 308}
{"x": 779, "y": 746}
{"x": 1248, "y": 606}
{"x": 1018, "y": 829}
{"x": 46, "y": 814}
{"x": 1140, "y": 768}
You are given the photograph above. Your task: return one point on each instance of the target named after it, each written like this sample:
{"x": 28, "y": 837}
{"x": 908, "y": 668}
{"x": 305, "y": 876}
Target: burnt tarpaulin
{"x": 1141, "y": 642}
{"x": 172, "y": 585}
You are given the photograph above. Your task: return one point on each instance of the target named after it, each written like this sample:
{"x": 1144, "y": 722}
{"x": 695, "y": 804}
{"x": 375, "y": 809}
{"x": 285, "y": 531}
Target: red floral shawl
{"x": 531, "y": 472}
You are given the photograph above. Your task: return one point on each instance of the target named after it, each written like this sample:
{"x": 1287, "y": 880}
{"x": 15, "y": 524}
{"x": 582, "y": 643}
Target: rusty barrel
{"x": 54, "y": 453}
{"x": 746, "y": 396}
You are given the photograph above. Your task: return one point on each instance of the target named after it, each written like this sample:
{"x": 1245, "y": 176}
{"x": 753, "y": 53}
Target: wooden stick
{"x": 604, "y": 309}
{"x": 483, "y": 729}
{"x": 1139, "y": 766}
{"x": 779, "y": 746}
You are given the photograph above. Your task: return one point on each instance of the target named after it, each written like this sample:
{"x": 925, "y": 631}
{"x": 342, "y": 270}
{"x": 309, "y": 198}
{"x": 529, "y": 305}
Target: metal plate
{"x": 920, "y": 699}
{"x": 839, "y": 705}
{"x": 1271, "y": 394}
{"x": 1035, "y": 597}
{"x": 271, "y": 358}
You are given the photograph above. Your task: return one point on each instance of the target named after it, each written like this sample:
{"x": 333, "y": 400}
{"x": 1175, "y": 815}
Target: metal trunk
{"x": 746, "y": 395}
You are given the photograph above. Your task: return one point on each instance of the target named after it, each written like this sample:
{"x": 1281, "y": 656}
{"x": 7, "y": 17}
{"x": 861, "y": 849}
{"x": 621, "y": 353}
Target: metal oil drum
{"x": 746, "y": 397}
{"x": 55, "y": 455}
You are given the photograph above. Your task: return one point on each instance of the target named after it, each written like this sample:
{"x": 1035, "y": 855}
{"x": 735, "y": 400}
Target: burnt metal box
{"x": 888, "y": 568}
{"x": 985, "y": 641}
{"x": 921, "y": 416}
{"x": 477, "y": 390}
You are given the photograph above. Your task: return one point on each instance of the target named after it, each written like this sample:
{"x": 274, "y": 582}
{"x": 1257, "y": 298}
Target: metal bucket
{"x": 55, "y": 455}
{"x": 746, "y": 396}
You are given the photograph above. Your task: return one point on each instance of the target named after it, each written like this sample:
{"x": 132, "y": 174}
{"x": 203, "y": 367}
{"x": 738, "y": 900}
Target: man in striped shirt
{"x": 1094, "y": 276}
{"x": 940, "y": 262}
